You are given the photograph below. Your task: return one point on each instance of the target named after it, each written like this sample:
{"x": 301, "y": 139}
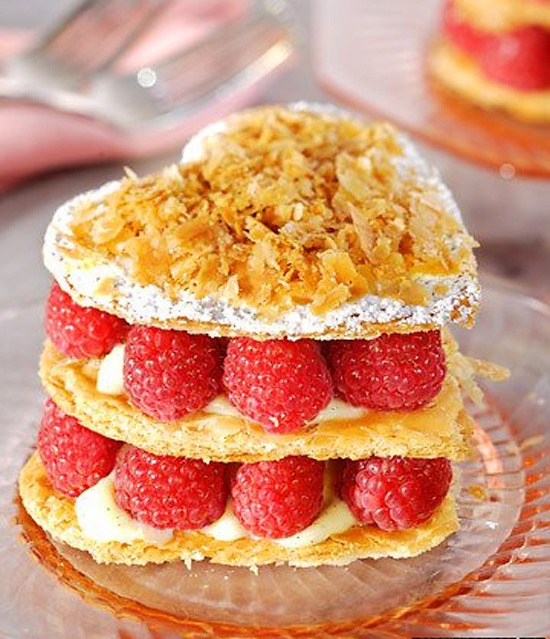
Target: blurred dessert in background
{"x": 496, "y": 54}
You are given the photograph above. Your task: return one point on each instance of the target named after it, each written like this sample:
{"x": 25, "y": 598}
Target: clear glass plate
{"x": 491, "y": 578}
{"x": 372, "y": 55}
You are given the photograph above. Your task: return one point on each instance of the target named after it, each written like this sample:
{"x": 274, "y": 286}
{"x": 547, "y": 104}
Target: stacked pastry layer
{"x": 496, "y": 54}
{"x": 247, "y": 355}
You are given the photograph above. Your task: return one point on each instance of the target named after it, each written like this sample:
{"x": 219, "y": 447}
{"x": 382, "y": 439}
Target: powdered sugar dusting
{"x": 149, "y": 304}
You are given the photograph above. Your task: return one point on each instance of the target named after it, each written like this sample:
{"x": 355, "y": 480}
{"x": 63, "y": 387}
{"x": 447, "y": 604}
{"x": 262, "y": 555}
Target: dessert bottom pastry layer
{"x": 56, "y": 514}
{"x": 459, "y": 73}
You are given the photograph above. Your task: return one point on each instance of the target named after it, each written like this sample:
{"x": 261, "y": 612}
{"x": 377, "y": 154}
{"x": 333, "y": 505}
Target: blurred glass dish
{"x": 373, "y": 56}
{"x": 376, "y": 60}
{"x": 492, "y": 576}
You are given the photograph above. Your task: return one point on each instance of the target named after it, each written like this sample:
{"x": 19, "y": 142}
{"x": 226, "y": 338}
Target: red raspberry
{"x": 170, "y": 492}
{"x": 170, "y": 373}
{"x": 461, "y": 34}
{"x": 278, "y": 383}
{"x": 278, "y": 498}
{"x": 79, "y": 331}
{"x": 520, "y": 59}
{"x": 391, "y": 372}
{"x": 395, "y": 493}
{"x": 75, "y": 458}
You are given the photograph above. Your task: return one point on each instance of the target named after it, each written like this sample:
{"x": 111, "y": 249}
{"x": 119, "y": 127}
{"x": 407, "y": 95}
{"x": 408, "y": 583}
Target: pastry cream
{"x": 335, "y": 518}
{"x": 227, "y": 527}
{"x": 110, "y": 376}
{"x": 102, "y": 519}
{"x": 110, "y": 380}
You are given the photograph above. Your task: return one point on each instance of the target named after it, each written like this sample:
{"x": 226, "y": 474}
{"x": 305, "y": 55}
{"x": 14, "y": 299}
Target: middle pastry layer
{"x": 440, "y": 429}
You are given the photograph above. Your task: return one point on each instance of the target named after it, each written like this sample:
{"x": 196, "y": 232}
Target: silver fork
{"x": 85, "y": 42}
{"x": 231, "y": 59}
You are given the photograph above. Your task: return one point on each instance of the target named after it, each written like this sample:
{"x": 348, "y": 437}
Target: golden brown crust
{"x": 56, "y": 515}
{"x": 441, "y": 429}
{"x": 459, "y": 73}
{"x": 302, "y": 223}
{"x": 504, "y": 15}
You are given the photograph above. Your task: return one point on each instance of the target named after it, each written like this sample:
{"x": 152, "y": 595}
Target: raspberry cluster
{"x": 272, "y": 499}
{"x": 170, "y": 492}
{"x": 395, "y": 493}
{"x": 168, "y": 374}
{"x": 391, "y": 372}
{"x": 278, "y": 383}
{"x": 74, "y": 457}
{"x": 281, "y": 384}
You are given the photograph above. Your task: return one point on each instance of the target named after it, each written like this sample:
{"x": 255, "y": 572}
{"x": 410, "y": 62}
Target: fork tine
{"x": 251, "y": 50}
{"x": 242, "y": 77}
{"x": 220, "y": 62}
{"x": 115, "y": 39}
{"x": 213, "y": 82}
{"x": 220, "y": 38}
{"x": 80, "y": 26}
{"x": 104, "y": 31}
{"x": 75, "y": 38}
{"x": 59, "y": 27}
{"x": 144, "y": 12}
{"x": 87, "y": 40}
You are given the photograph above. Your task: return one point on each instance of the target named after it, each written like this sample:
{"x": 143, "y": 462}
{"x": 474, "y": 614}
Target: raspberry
{"x": 278, "y": 498}
{"x": 170, "y": 492}
{"x": 391, "y": 372}
{"x": 75, "y": 458}
{"x": 462, "y": 34}
{"x": 168, "y": 373}
{"x": 395, "y": 493}
{"x": 79, "y": 331}
{"x": 520, "y": 59}
{"x": 278, "y": 383}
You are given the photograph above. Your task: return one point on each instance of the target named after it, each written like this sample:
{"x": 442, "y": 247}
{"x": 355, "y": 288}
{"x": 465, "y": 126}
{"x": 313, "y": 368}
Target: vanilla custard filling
{"x": 110, "y": 376}
{"x": 110, "y": 381}
{"x": 103, "y": 520}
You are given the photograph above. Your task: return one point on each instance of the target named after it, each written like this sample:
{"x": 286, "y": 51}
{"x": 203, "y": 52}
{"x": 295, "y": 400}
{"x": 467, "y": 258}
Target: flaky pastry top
{"x": 281, "y": 209}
